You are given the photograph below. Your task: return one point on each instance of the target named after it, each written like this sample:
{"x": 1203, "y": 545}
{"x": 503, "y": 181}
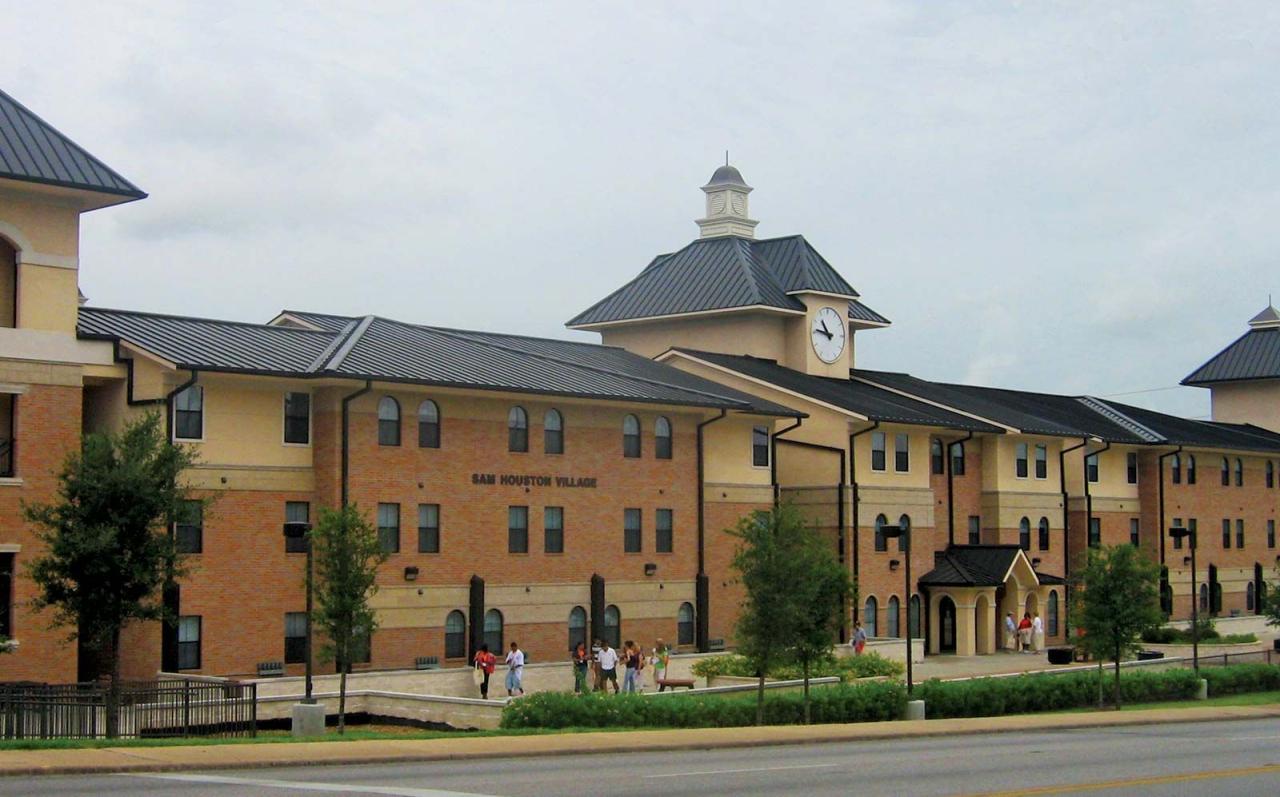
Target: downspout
{"x": 170, "y": 594}
{"x": 168, "y": 402}
{"x": 1088, "y": 496}
{"x": 773, "y": 456}
{"x": 951, "y": 501}
{"x": 841, "y": 536}
{"x": 702, "y": 585}
{"x": 346, "y": 452}
{"x": 1160, "y": 465}
{"x": 853, "y": 495}
{"x": 1066, "y": 537}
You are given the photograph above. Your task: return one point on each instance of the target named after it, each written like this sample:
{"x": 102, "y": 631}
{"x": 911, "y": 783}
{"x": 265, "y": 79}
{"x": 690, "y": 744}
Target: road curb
{"x": 16, "y": 763}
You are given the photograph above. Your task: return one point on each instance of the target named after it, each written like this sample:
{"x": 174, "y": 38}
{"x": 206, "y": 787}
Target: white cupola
{"x": 727, "y": 205}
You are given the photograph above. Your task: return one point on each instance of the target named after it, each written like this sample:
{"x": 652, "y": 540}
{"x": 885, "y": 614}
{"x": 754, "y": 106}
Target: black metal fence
{"x": 1208, "y": 658}
{"x": 149, "y": 709}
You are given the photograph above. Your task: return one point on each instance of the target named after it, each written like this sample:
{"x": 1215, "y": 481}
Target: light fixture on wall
{"x": 650, "y": 568}
{"x": 894, "y": 564}
{"x": 1035, "y": 562}
{"x": 411, "y": 573}
{"x": 1186, "y": 560}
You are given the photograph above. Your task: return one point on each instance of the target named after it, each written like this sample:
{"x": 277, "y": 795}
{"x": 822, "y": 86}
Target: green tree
{"x": 786, "y": 607}
{"x": 1117, "y": 598}
{"x": 821, "y": 594}
{"x": 108, "y": 552}
{"x": 347, "y": 554}
{"x": 1270, "y": 600}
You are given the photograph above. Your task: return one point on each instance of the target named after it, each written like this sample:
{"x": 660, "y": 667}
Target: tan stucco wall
{"x": 750, "y": 332}
{"x": 44, "y": 226}
{"x": 999, "y": 463}
{"x": 1255, "y": 402}
{"x": 47, "y": 298}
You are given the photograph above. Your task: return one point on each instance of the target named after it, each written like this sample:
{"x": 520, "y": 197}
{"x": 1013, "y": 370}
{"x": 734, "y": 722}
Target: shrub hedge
{"x": 1209, "y": 635}
{"x": 1238, "y": 679}
{"x": 866, "y": 702}
{"x": 848, "y": 668}
{"x": 990, "y": 697}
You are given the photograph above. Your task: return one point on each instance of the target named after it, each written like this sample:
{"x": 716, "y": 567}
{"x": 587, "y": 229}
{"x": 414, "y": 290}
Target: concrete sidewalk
{"x": 242, "y": 756}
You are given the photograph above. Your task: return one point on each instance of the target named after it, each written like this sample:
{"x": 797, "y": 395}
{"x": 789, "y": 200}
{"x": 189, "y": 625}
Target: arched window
{"x": 1024, "y": 534}
{"x": 388, "y": 422}
{"x": 1191, "y": 468}
{"x": 577, "y": 627}
{"x": 1249, "y": 596}
{"x": 684, "y": 624}
{"x": 1176, "y": 467}
{"x": 612, "y": 626}
{"x": 1271, "y": 474}
{"x": 631, "y": 437}
{"x": 1044, "y": 533}
{"x": 957, "y": 459}
{"x": 869, "y": 612}
{"x": 553, "y": 433}
{"x": 913, "y": 617}
{"x": 1052, "y": 612}
{"x": 455, "y": 635}
{"x": 493, "y": 631}
{"x": 662, "y": 438}
{"x": 891, "y": 610}
{"x": 1226, "y": 472}
{"x": 1239, "y": 472}
{"x": 882, "y": 543}
{"x": 936, "y": 462}
{"x": 1204, "y": 597}
{"x": 428, "y": 425}
{"x": 517, "y": 429}
{"x": 904, "y": 523}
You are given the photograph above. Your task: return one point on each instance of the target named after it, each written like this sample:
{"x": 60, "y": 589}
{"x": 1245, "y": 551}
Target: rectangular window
{"x": 295, "y": 637}
{"x": 389, "y": 527}
{"x": 8, "y": 402}
{"x": 553, "y": 529}
{"x": 975, "y": 530}
{"x": 188, "y": 532}
{"x": 957, "y": 459}
{"x": 877, "y": 450}
{"x": 428, "y": 528}
{"x": 7, "y": 561}
{"x": 1020, "y": 461}
{"x": 1134, "y": 531}
{"x": 760, "y": 447}
{"x": 1131, "y": 468}
{"x": 296, "y": 512}
{"x": 297, "y": 418}
{"x": 937, "y": 460}
{"x": 631, "y": 530}
{"x": 1271, "y": 534}
{"x": 1091, "y": 467}
{"x": 517, "y": 529}
{"x": 1095, "y": 532}
{"x": 901, "y": 453}
{"x": 188, "y": 414}
{"x": 1240, "y": 532}
{"x": 1226, "y": 533}
{"x": 361, "y": 646}
{"x": 189, "y": 642}
{"x": 1042, "y": 462}
{"x": 1177, "y": 541}
{"x": 664, "y": 533}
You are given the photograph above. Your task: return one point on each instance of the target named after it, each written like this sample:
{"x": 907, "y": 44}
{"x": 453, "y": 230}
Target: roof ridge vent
{"x": 1115, "y": 416}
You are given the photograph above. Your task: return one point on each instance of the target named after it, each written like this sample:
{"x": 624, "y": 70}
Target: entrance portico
{"x": 972, "y": 588}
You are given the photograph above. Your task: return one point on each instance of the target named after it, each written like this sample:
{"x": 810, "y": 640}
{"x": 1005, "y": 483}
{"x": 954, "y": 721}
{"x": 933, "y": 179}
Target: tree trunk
{"x": 1117, "y": 686}
{"x": 1100, "y": 702}
{"x": 806, "y": 692}
{"x": 342, "y": 701}
{"x": 113, "y": 690}
{"x": 760, "y": 699}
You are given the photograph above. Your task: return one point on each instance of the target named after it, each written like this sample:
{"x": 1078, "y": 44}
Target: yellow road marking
{"x": 1153, "y": 780}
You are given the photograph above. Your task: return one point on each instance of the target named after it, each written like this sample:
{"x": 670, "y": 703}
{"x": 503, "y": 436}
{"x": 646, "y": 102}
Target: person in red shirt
{"x": 1024, "y": 633}
{"x": 485, "y": 663}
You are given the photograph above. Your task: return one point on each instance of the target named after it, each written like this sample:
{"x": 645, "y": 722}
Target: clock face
{"x": 828, "y": 335}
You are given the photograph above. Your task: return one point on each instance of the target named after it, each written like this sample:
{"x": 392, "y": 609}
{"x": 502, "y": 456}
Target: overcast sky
{"x": 1070, "y": 198}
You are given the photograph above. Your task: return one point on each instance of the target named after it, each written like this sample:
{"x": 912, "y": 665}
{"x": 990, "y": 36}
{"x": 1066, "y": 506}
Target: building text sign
{"x": 521, "y": 480}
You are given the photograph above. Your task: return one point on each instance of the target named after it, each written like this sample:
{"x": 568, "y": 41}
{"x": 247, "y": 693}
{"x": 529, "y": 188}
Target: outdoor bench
{"x": 673, "y": 683}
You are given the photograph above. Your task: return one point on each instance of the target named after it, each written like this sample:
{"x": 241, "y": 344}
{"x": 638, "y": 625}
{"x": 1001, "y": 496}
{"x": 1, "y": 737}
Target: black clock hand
{"x": 825, "y": 331}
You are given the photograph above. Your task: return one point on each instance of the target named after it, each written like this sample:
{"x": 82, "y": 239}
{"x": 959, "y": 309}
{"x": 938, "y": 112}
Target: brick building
{"x": 548, "y": 491}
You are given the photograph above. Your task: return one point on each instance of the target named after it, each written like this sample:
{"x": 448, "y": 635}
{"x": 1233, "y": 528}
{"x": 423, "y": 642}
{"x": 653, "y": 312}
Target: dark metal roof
{"x": 860, "y": 312}
{"x": 971, "y": 566}
{"x": 1206, "y": 434}
{"x": 1255, "y": 355}
{"x": 726, "y": 175}
{"x": 722, "y": 274}
{"x": 325, "y": 321}
{"x": 385, "y": 350}
{"x": 866, "y": 400}
{"x": 33, "y": 151}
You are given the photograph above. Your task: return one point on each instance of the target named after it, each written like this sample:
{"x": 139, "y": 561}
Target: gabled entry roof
{"x": 977, "y": 566}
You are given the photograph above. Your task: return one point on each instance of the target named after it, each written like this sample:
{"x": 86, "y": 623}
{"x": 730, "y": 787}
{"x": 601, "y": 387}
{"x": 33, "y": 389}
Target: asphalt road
{"x": 1217, "y": 758}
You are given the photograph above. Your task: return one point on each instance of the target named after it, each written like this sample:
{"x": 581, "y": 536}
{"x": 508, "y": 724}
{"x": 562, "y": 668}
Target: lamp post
{"x": 1178, "y": 533}
{"x": 297, "y": 530}
{"x": 893, "y": 532}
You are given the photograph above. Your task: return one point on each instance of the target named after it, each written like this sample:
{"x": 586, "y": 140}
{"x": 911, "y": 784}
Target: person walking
{"x": 580, "y": 662}
{"x": 859, "y": 640}
{"x": 1010, "y": 632}
{"x": 631, "y": 658}
{"x": 515, "y": 670}
{"x": 1024, "y": 633}
{"x": 484, "y": 664}
{"x": 1037, "y": 634}
{"x": 607, "y": 662}
{"x": 660, "y": 659}
{"x": 598, "y": 679}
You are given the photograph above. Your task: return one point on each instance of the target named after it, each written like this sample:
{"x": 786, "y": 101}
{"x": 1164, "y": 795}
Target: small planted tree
{"x": 107, "y": 549}
{"x": 1117, "y": 599}
{"x": 347, "y": 554}
{"x": 1270, "y": 600}
{"x": 820, "y": 594}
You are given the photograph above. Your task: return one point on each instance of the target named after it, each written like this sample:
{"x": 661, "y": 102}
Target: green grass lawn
{"x": 1252, "y": 699}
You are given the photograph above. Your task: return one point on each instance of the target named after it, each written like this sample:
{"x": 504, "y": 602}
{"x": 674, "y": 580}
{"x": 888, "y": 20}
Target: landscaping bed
{"x": 848, "y": 669}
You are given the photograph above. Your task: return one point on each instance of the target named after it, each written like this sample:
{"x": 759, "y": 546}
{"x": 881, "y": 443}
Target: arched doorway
{"x": 946, "y": 625}
{"x": 1032, "y": 605}
{"x": 984, "y": 622}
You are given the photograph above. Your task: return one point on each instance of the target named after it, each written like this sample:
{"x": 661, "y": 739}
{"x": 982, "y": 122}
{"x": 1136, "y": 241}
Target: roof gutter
{"x": 346, "y": 448}
{"x": 1160, "y": 467}
{"x": 951, "y": 500}
{"x": 702, "y": 591}
{"x": 773, "y": 456}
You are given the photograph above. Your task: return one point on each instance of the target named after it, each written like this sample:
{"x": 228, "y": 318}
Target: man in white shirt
{"x": 607, "y": 661}
{"x": 515, "y": 670}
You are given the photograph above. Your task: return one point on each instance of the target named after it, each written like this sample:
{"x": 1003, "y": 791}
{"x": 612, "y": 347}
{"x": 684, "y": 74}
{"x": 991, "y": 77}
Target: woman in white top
{"x": 1037, "y": 634}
